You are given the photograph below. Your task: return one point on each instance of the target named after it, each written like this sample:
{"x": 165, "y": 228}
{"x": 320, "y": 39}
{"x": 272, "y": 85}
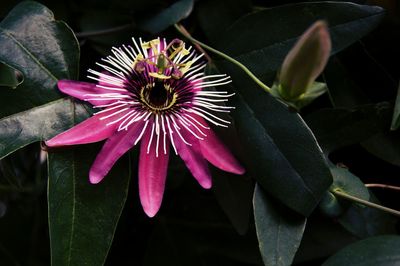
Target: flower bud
{"x": 305, "y": 61}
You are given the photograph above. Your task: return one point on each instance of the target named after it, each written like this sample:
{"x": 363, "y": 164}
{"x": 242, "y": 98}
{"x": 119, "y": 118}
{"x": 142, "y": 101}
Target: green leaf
{"x": 8, "y": 77}
{"x": 384, "y": 145}
{"x": 83, "y": 217}
{"x": 344, "y": 180}
{"x": 234, "y": 194}
{"x": 26, "y": 127}
{"x": 366, "y": 222}
{"x": 348, "y": 126}
{"x": 42, "y": 49}
{"x": 215, "y": 16}
{"x": 380, "y": 250}
{"x": 279, "y": 231}
{"x": 262, "y": 39}
{"x": 280, "y": 151}
{"x": 169, "y": 16}
{"x": 312, "y": 93}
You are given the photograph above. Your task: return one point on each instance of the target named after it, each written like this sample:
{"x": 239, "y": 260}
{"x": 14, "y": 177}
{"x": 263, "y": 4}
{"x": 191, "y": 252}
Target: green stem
{"x": 344, "y": 195}
{"x": 183, "y": 31}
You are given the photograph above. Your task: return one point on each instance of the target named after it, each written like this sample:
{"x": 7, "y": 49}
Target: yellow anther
{"x": 151, "y": 44}
{"x": 159, "y": 76}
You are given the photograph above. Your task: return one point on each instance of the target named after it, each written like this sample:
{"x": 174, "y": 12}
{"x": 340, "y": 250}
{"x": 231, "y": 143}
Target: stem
{"x": 383, "y": 186}
{"x": 183, "y": 31}
{"x": 186, "y": 33}
{"x": 344, "y": 195}
{"x": 93, "y": 33}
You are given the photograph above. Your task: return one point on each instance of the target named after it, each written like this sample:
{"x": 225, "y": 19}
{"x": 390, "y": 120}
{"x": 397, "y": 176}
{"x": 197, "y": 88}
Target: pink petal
{"x": 193, "y": 158}
{"x": 80, "y": 89}
{"x": 90, "y": 130}
{"x": 112, "y": 150}
{"x": 218, "y": 154}
{"x": 152, "y": 174}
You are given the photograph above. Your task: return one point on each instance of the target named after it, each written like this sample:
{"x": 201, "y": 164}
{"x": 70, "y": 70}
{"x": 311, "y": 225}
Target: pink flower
{"x": 152, "y": 93}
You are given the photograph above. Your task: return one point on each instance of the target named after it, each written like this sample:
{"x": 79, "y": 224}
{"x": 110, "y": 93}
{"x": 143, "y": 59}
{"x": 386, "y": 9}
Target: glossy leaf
{"x": 215, "y": 16}
{"x": 37, "y": 124}
{"x": 280, "y": 150}
{"x": 380, "y": 250}
{"x": 348, "y": 126}
{"x": 42, "y": 49}
{"x": 8, "y": 77}
{"x": 344, "y": 180}
{"x": 234, "y": 194}
{"x": 83, "y": 217}
{"x": 279, "y": 231}
{"x": 169, "y": 16}
{"x": 366, "y": 222}
{"x": 262, "y": 39}
{"x": 396, "y": 115}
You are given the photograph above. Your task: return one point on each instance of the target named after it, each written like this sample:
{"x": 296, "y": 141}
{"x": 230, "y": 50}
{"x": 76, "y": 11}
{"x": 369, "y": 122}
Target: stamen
{"x": 187, "y": 57}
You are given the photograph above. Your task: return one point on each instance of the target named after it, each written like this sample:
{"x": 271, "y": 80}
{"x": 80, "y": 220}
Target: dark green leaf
{"x": 234, "y": 194}
{"x": 376, "y": 138}
{"x": 348, "y": 126}
{"x": 169, "y": 16}
{"x": 262, "y": 39}
{"x": 83, "y": 217}
{"x": 380, "y": 250}
{"x": 279, "y": 231}
{"x": 396, "y": 115}
{"x": 365, "y": 222}
{"x": 8, "y": 76}
{"x": 344, "y": 180}
{"x": 36, "y": 124}
{"x": 280, "y": 150}
{"x": 215, "y": 16}
{"x": 385, "y": 145}
{"x": 43, "y": 50}
{"x": 342, "y": 90}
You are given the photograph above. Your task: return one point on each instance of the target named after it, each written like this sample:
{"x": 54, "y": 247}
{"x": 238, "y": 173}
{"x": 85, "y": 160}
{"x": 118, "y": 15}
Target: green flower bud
{"x": 305, "y": 62}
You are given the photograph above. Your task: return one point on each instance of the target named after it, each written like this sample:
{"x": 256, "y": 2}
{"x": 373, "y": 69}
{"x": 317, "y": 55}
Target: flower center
{"x": 158, "y": 96}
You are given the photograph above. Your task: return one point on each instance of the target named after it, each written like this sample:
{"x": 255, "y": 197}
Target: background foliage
{"x": 281, "y": 212}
